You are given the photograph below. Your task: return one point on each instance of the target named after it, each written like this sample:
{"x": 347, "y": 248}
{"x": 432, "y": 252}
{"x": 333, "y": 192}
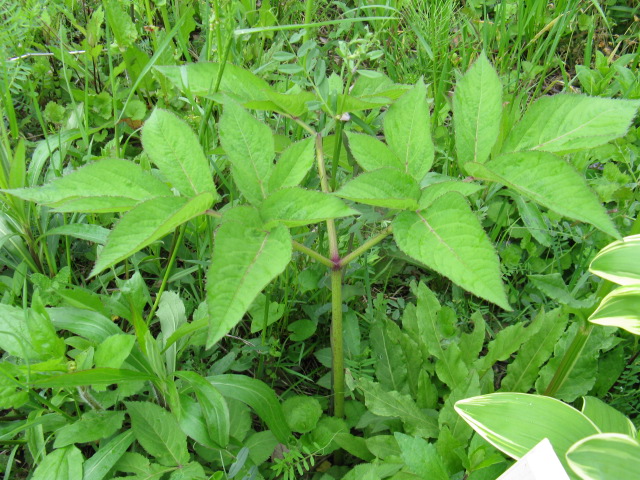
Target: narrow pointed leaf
{"x": 95, "y": 376}
{"x": 98, "y": 466}
{"x": 158, "y": 432}
{"x": 296, "y": 206}
{"x": 146, "y": 223}
{"x": 608, "y": 456}
{"x": 371, "y": 153}
{"x": 448, "y": 238}
{"x": 60, "y": 463}
{"x": 292, "y": 166}
{"x": 109, "y": 185}
{"x": 477, "y": 109}
{"x": 83, "y": 231}
{"x": 249, "y": 146}
{"x": 386, "y": 187}
{"x": 259, "y": 396}
{"x": 619, "y": 262}
{"x": 175, "y": 149}
{"x": 408, "y": 132}
{"x": 245, "y": 259}
{"x": 562, "y": 123}
{"x": 620, "y": 309}
{"x": 549, "y": 181}
{"x": 516, "y": 422}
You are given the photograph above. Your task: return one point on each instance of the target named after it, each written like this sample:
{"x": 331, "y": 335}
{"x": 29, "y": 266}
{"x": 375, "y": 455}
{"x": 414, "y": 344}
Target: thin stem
{"x": 313, "y": 254}
{"x": 366, "y": 246}
{"x": 174, "y": 252}
{"x": 303, "y": 124}
{"x": 334, "y": 255}
{"x": 337, "y": 346}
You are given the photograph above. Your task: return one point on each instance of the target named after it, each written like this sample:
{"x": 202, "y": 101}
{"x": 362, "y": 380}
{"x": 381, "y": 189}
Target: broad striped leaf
{"x": 606, "y": 456}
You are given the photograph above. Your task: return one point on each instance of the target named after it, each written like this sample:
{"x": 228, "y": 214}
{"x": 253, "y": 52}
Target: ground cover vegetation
{"x": 322, "y": 240}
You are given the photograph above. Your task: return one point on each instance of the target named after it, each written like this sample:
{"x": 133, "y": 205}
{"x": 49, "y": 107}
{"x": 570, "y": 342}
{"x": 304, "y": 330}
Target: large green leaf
{"x": 296, "y": 206}
{"x": 146, "y": 223}
{"x": 259, "y": 396}
{"x": 86, "y": 323}
{"x": 61, "y": 463}
{"x": 448, "y": 238}
{"x": 214, "y": 408}
{"x": 293, "y": 165}
{"x": 175, "y": 149}
{"x": 408, "y": 132}
{"x": 421, "y": 457}
{"x": 621, "y": 308}
{"x": 371, "y": 153}
{"x": 92, "y": 426}
{"x": 477, "y": 108}
{"x": 549, "y": 181}
{"x": 385, "y": 187}
{"x": 245, "y": 259}
{"x": 158, "y": 432}
{"x": 562, "y": 123}
{"x": 607, "y": 418}
{"x": 619, "y": 262}
{"x": 109, "y": 185}
{"x": 436, "y": 190}
{"x": 249, "y": 146}
{"x": 608, "y": 456}
{"x": 516, "y": 422}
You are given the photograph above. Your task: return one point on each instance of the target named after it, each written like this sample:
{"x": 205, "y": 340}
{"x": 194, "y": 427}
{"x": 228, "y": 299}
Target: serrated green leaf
{"x": 214, "y": 408}
{"x": 471, "y": 343}
{"x": 552, "y": 285}
{"x": 606, "y": 456}
{"x": 99, "y": 465}
{"x": 296, "y": 206}
{"x": 619, "y": 262}
{"x": 449, "y": 418}
{"x": 385, "y": 187}
{"x": 293, "y": 165}
{"x": 245, "y": 259}
{"x": 522, "y": 372}
{"x": 146, "y": 223}
{"x": 61, "y": 463}
{"x": 390, "y": 366}
{"x": 477, "y": 109}
{"x": 421, "y": 457}
{"x": 249, "y": 146}
{"x": 408, "y": 132}
{"x": 620, "y": 309}
{"x": 449, "y": 238}
{"x": 562, "y": 123}
{"x": 259, "y": 396}
{"x": 371, "y": 154}
{"x": 158, "y": 432}
{"x": 11, "y": 394}
{"x": 91, "y": 427}
{"x": 124, "y": 30}
{"x": 516, "y": 422}
{"x": 83, "y": 231}
{"x": 434, "y": 191}
{"x": 395, "y": 404}
{"x": 607, "y": 418}
{"x": 175, "y": 149}
{"x": 506, "y": 342}
{"x": 108, "y": 185}
{"x": 549, "y": 181}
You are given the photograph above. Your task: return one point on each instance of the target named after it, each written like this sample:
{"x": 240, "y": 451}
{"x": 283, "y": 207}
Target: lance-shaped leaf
{"x": 296, "y": 206}
{"x": 61, "y": 463}
{"x": 175, "y": 149}
{"x": 97, "y": 467}
{"x": 245, "y": 259}
{"x": 146, "y": 223}
{"x": 605, "y": 456}
{"x": 549, "y": 181}
{"x": 250, "y": 149}
{"x": 158, "y": 432}
{"x": 436, "y": 190}
{"x": 477, "y": 108}
{"x": 109, "y": 185}
{"x": 516, "y": 422}
{"x": 386, "y": 187}
{"x": 620, "y": 309}
{"x": 619, "y": 262}
{"x": 562, "y": 123}
{"x": 293, "y": 165}
{"x": 259, "y": 396}
{"x": 371, "y": 153}
{"x": 448, "y": 238}
{"x": 408, "y": 132}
